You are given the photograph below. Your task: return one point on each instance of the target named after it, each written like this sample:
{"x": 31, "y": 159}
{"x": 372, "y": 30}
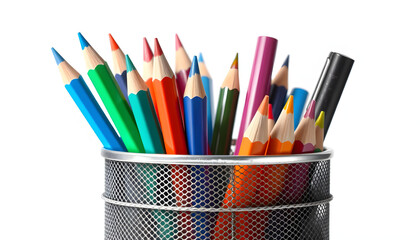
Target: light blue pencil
{"x": 88, "y": 105}
{"x": 208, "y": 88}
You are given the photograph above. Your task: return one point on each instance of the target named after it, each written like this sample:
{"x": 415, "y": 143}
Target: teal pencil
{"x": 151, "y": 135}
{"x": 144, "y": 111}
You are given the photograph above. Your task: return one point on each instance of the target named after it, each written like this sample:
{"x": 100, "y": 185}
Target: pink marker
{"x": 259, "y": 83}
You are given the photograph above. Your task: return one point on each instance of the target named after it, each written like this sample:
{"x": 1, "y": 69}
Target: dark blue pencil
{"x": 120, "y": 67}
{"x": 278, "y": 90}
{"x": 195, "y": 115}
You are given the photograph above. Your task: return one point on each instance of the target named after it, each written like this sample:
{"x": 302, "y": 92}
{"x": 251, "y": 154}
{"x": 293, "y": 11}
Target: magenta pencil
{"x": 259, "y": 83}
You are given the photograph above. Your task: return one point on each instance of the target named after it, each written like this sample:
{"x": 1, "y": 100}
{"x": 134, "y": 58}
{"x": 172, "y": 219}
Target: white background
{"x": 52, "y": 175}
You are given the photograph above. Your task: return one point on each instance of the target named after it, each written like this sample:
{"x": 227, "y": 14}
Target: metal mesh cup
{"x": 154, "y": 196}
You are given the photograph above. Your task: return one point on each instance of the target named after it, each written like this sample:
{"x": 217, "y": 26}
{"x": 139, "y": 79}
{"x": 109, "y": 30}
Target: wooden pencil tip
{"x": 288, "y": 107}
{"x": 310, "y": 112}
{"x": 263, "y": 108}
{"x": 58, "y": 58}
{"x": 200, "y": 58}
{"x": 158, "y": 49}
{"x": 114, "y": 45}
{"x": 147, "y": 52}
{"x": 178, "y": 43}
{"x": 270, "y": 112}
{"x": 130, "y": 65}
{"x": 194, "y": 67}
{"x": 286, "y": 62}
{"x": 235, "y": 62}
{"x": 83, "y": 42}
{"x": 320, "y": 121}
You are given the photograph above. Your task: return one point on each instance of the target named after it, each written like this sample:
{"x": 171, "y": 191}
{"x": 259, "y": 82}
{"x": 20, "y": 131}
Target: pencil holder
{"x": 165, "y": 197}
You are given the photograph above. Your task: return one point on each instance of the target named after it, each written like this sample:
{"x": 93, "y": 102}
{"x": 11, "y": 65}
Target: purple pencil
{"x": 259, "y": 84}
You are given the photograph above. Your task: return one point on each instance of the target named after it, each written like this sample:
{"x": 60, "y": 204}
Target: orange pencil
{"x": 148, "y": 70}
{"x": 168, "y": 104}
{"x": 281, "y": 142}
{"x": 172, "y": 132}
{"x": 242, "y": 189}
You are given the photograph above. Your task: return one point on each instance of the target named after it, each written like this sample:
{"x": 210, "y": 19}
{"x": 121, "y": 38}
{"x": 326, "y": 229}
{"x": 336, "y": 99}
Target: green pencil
{"x": 112, "y": 97}
{"x": 226, "y": 111}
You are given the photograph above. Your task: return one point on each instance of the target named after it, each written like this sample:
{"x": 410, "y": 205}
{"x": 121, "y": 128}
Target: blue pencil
{"x": 88, "y": 105}
{"x": 208, "y": 88}
{"x": 195, "y": 115}
{"x": 299, "y": 98}
{"x": 278, "y": 90}
{"x": 120, "y": 67}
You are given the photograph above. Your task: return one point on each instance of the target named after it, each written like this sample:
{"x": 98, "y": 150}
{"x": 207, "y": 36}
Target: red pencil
{"x": 182, "y": 69}
{"x": 148, "y": 71}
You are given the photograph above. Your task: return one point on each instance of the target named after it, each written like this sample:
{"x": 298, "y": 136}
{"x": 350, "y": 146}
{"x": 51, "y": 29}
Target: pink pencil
{"x": 259, "y": 84}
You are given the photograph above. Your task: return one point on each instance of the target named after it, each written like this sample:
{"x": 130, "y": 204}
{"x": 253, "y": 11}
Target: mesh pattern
{"x": 158, "y": 201}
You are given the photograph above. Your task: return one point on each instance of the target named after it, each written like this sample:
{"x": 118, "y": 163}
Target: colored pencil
{"x": 151, "y": 135}
{"x": 305, "y": 133}
{"x": 331, "y": 85}
{"x": 270, "y": 118}
{"x": 88, "y": 105}
{"x": 289, "y": 222}
{"x": 112, "y": 97}
{"x": 319, "y": 132}
{"x": 195, "y": 116}
{"x": 299, "y": 96}
{"x": 120, "y": 67}
{"x": 278, "y": 91}
{"x": 281, "y": 142}
{"x": 226, "y": 111}
{"x": 195, "y": 112}
{"x": 143, "y": 110}
{"x": 168, "y": 104}
{"x": 241, "y": 191}
{"x": 309, "y": 214}
{"x": 273, "y": 176}
{"x": 259, "y": 83}
{"x": 173, "y": 133}
{"x": 182, "y": 69}
{"x": 148, "y": 70}
{"x": 208, "y": 88}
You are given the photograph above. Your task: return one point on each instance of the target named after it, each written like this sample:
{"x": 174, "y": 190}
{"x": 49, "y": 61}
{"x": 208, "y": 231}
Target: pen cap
{"x": 331, "y": 85}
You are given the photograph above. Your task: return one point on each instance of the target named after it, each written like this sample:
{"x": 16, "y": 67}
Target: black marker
{"x": 331, "y": 85}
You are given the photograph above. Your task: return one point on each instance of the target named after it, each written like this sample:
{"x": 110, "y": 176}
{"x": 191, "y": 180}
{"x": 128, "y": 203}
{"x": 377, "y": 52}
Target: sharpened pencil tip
{"x": 58, "y": 58}
{"x": 310, "y": 112}
{"x": 286, "y": 62}
{"x": 321, "y": 119}
{"x": 158, "y": 49}
{"x": 235, "y": 62}
{"x": 288, "y": 107}
{"x": 147, "y": 52}
{"x": 130, "y": 65}
{"x": 270, "y": 112}
{"x": 263, "y": 108}
{"x": 83, "y": 41}
{"x": 194, "y": 67}
{"x": 200, "y": 58}
{"x": 178, "y": 43}
{"x": 114, "y": 45}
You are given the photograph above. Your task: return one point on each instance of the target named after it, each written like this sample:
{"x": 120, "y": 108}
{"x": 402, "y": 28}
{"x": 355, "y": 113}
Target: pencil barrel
{"x": 141, "y": 202}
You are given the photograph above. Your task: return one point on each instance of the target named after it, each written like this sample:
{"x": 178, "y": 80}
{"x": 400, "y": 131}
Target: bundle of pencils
{"x": 171, "y": 112}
